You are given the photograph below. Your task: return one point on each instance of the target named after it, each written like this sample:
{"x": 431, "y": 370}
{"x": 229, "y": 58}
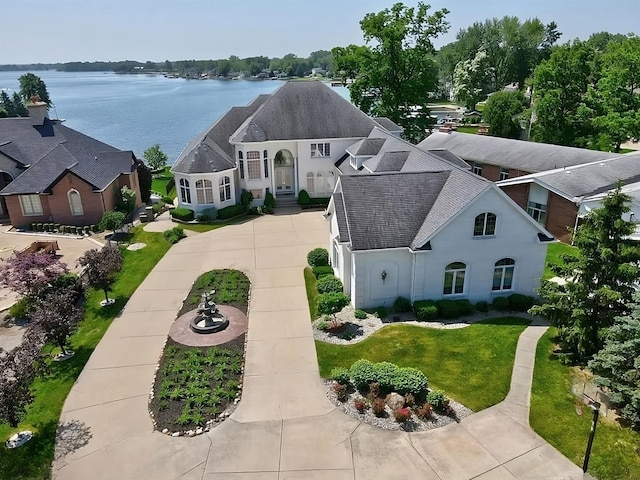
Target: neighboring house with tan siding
{"x": 52, "y": 173}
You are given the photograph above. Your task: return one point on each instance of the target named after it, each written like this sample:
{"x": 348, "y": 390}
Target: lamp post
{"x": 595, "y": 407}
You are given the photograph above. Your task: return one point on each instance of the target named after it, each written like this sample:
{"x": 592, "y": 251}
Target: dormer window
{"x": 484, "y": 225}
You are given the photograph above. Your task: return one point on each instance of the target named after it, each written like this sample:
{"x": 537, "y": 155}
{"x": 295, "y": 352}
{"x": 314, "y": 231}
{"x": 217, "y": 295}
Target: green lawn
{"x": 206, "y": 227}
{"x": 615, "y": 454}
{"x": 160, "y": 181}
{"x": 472, "y": 364}
{"x": 310, "y": 284}
{"x": 463, "y": 129}
{"x": 33, "y": 460}
{"x": 554, "y": 250}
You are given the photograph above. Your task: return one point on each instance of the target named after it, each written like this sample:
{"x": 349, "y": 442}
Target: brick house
{"x": 51, "y": 173}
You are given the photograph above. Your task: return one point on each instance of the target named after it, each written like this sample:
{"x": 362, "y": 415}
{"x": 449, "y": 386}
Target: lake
{"x": 133, "y": 112}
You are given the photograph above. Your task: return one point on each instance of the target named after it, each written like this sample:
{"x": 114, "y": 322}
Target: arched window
{"x": 311, "y": 183}
{"x": 185, "y": 191}
{"x": 75, "y": 203}
{"x": 204, "y": 192}
{"x": 454, "y": 278}
{"x": 485, "y": 224}
{"x": 503, "y": 274}
{"x": 225, "y": 189}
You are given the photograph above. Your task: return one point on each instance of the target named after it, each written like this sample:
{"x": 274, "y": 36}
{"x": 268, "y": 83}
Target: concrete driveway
{"x": 284, "y": 428}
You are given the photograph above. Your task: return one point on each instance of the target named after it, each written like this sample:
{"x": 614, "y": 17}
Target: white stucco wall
{"x": 215, "y": 179}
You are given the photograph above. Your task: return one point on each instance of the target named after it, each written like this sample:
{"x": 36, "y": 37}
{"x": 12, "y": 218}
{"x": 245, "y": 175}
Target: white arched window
{"x": 311, "y": 185}
{"x": 484, "y": 225}
{"x": 204, "y": 192}
{"x": 225, "y": 189}
{"x": 454, "y": 275}
{"x": 75, "y": 203}
{"x": 185, "y": 191}
{"x": 503, "y": 274}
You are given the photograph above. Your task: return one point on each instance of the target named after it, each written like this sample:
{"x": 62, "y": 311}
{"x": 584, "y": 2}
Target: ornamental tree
{"x": 599, "y": 280}
{"x": 112, "y": 220}
{"x": 27, "y": 273}
{"x": 18, "y": 368}
{"x": 332, "y": 303}
{"x": 155, "y": 157}
{"x": 617, "y": 365}
{"x": 101, "y": 266}
{"x": 470, "y": 78}
{"x": 56, "y": 316}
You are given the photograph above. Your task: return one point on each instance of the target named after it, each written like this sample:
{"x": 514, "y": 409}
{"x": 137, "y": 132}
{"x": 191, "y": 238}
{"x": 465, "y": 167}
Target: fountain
{"x": 208, "y": 318}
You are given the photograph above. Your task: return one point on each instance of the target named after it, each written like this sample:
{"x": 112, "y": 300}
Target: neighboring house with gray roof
{"x": 51, "y": 173}
{"x": 280, "y": 143}
{"x": 418, "y": 224}
{"x": 558, "y": 198}
{"x": 497, "y": 158}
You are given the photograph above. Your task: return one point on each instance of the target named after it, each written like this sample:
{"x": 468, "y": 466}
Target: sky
{"x": 52, "y": 31}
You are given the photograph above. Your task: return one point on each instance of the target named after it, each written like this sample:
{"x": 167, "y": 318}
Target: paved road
{"x": 284, "y": 428}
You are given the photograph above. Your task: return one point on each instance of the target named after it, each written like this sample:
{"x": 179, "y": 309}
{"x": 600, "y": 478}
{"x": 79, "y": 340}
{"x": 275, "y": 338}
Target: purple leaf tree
{"x": 56, "y": 316}
{"x": 26, "y": 273}
{"x": 101, "y": 266}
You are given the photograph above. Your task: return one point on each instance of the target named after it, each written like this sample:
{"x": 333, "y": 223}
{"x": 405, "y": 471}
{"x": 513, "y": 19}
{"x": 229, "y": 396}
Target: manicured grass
{"x": 33, "y": 460}
{"x": 207, "y": 227}
{"x": 553, "y": 416}
{"x": 310, "y": 284}
{"x": 160, "y": 181}
{"x": 554, "y": 250}
{"x": 472, "y": 364}
{"x": 463, "y": 129}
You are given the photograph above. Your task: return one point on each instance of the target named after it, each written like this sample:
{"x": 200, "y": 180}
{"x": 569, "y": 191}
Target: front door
{"x": 284, "y": 180}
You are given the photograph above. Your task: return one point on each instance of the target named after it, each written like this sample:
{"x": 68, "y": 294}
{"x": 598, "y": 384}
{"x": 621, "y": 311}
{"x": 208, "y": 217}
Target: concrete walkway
{"x": 284, "y": 428}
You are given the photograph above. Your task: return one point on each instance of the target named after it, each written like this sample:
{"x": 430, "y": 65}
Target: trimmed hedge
{"x": 362, "y": 373}
{"x": 231, "y": 211}
{"x": 340, "y": 375}
{"x": 322, "y": 270}
{"x": 402, "y": 305}
{"x": 180, "y": 213}
{"x": 385, "y": 374}
{"x": 425, "y": 310}
{"x": 519, "y": 302}
{"x": 269, "y": 200}
{"x": 410, "y": 380}
{"x": 303, "y": 198}
{"x": 482, "y": 306}
{"x": 501, "y": 304}
{"x": 207, "y": 215}
{"x": 318, "y": 257}
{"x": 329, "y": 284}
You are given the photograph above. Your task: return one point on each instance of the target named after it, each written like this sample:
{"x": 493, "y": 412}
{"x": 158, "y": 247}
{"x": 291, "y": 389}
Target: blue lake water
{"x": 133, "y": 112}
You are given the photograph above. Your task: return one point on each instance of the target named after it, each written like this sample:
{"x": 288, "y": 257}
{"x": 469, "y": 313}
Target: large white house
{"x": 281, "y": 143}
{"x": 411, "y": 223}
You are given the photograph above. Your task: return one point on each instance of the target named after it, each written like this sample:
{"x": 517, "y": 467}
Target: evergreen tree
{"x": 32, "y": 85}
{"x": 145, "y": 181}
{"x": 18, "y": 104}
{"x": 599, "y": 280}
{"x": 617, "y": 365}
{"x": 7, "y": 104}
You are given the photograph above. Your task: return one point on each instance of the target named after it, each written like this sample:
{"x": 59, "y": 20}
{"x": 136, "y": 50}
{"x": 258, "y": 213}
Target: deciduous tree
{"x": 617, "y": 365}
{"x": 32, "y": 85}
{"x": 112, "y": 220}
{"x": 56, "y": 316}
{"x": 469, "y": 80}
{"x": 395, "y": 74}
{"x": 27, "y": 273}
{"x": 101, "y": 266}
{"x": 599, "y": 280}
{"x": 155, "y": 157}
{"x": 503, "y": 112}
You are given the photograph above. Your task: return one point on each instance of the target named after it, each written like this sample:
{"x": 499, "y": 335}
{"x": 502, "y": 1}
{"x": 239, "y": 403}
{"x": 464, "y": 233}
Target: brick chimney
{"x": 38, "y": 110}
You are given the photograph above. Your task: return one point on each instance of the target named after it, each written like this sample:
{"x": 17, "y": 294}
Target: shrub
{"x": 464, "y": 306}
{"x": 482, "y": 306}
{"x": 519, "y": 302}
{"x": 402, "y": 305}
{"x": 174, "y": 235}
{"x": 318, "y": 257}
{"x": 322, "y": 325}
{"x": 340, "y": 375}
{"x": 378, "y": 407}
{"x": 381, "y": 312}
{"x": 385, "y": 374}
{"x": 231, "y": 211}
{"x": 425, "y": 412}
{"x": 448, "y": 309}
{"x": 360, "y": 314}
{"x": 207, "y": 215}
{"x": 360, "y": 405}
{"x": 167, "y": 199}
{"x": 402, "y": 414}
{"x": 425, "y": 310}
{"x": 157, "y": 208}
{"x": 436, "y": 398}
{"x": 21, "y": 308}
{"x": 362, "y": 373}
{"x": 322, "y": 270}
{"x": 341, "y": 391}
{"x": 328, "y": 284}
{"x": 303, "y": 198}
{"x": 269, "y": 200}
{"x": 79, "y": 230}
{"x": 332, "y": 303}
{"x": 410, "y": 380}
{"x": 501, "y": 304}
{"x": 181, "y": 213}
{"x": 246, "y": 197}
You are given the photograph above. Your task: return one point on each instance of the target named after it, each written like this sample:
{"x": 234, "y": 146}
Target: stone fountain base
{"x": 181, "y": 332}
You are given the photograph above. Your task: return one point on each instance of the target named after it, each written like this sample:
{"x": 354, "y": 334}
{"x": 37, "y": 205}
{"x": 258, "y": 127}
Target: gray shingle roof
{"x": 210, "y": 151}
{"x": 517, "y": 154}
{"x": 590, "y": 179}
{"x": 389, "y": 162}
{"x": 366, "y": 146}
{"x": 450, "y": 157}
{"x": 304, "y": 110}
{"x": 389, "y": 124}
{"x": 402, "y": 209}
{"x": 343, "y": 228}
{"x": 51, "y": 149}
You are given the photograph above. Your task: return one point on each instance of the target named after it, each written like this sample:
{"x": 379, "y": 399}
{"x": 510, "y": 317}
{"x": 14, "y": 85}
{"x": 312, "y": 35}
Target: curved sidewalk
{"x": 284, "y": 427}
